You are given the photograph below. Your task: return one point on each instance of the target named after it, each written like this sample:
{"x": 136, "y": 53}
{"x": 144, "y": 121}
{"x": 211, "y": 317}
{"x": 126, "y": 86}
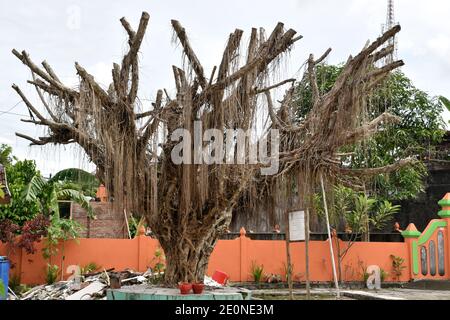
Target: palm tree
{"x": 445, "y": 102}
{"x": 85, "y": 181}
{"x": 47, "y": 193}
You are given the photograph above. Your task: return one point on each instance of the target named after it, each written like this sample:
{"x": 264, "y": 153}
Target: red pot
{"x": 198, "y": 288}
{"x": 185, "y": 288}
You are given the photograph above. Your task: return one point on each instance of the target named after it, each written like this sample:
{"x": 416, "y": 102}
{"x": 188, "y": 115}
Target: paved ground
{"x": 402, "y": 294}
{"x": 384, "y": 294}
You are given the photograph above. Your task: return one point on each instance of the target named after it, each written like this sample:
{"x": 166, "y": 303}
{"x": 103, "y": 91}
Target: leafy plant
{"x": 89, "y": 268}
{"x": 47, "y": 193}
{"x": 19, "y": 210}
{"x": 135, "y": 225}
{"x": 257, "y": 272}
{"x": 160, "y": 265}
{"x": 159, "y": 261}
{"x": 383, "y": 275}
{"x": 445, "y": 102}
{"x": 6, "y": 157}
{"x": 358, "y": 218}
{"x": 82, "y": 180}
{"x": 60, "y": 230}
{"x": 51, "y": 274}
{"x": 384, "y": 213}
{"x": 364, "y": 274}
{"x": 359, "y": 212}
{"x": 397, "y": 266}
{"x": 15, "y": 283}
{"x": 286, "y": 270}
{"x": 31, "y": 232}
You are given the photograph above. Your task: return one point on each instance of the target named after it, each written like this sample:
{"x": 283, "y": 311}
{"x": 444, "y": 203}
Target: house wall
{"x": 109, "y": 223}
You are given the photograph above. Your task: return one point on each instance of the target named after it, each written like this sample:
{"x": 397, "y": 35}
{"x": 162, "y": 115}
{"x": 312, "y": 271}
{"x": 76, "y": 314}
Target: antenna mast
{"x": 390, "y": 23}
{"x": 390, "y": 19}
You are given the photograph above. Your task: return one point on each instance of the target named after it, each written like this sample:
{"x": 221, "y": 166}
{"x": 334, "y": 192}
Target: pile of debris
{"x": 88, "y": 287}
{"x": 93, "y": 286}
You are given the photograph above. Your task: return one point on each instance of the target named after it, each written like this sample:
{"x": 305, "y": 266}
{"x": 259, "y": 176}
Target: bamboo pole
{"x": 288, "y": 258}
{"x": 126, "y": 223}
{"x": 338, "y": 295}
{"x": 308, "y": 284}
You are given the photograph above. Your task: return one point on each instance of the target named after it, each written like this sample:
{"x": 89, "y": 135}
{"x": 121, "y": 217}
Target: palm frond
{"x": 445, "y": 102}
{"x": 78, "y": 197}
{"x": 34, "y": 188}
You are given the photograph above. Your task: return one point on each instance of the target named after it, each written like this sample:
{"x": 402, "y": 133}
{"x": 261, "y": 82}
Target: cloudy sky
{"x": 90, "y": 33}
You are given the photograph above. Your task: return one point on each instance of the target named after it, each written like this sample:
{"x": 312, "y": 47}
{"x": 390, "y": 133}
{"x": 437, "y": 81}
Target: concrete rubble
{"x": 89, "y": 287}
{"x": 94, "y": 286}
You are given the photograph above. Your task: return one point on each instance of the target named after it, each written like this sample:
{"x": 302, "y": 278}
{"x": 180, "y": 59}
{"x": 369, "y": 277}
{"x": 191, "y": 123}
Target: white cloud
{"x": 440, "y": 45}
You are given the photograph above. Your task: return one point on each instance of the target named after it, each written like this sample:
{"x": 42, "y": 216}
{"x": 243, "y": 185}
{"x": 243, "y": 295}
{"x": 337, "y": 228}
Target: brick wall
{"x": 109, "y": 223}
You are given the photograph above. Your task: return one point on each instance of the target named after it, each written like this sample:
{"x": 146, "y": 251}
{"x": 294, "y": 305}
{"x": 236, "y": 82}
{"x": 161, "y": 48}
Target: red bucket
{"x": 220, "y": 277}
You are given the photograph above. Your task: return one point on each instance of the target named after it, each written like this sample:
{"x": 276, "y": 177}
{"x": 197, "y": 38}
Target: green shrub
{"x": 257, "y": 272}
{"x": 51, "y": 274}
{"x": 90, "y": 267}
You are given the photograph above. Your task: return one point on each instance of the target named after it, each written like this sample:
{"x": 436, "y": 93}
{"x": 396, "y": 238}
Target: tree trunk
{"x": 186, "y": 263}
{"x": 188, "y": 248}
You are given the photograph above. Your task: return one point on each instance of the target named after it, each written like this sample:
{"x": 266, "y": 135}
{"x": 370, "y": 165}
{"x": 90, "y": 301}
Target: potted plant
{"x": 185, "y": 288}
{"x": 198, "y": 287}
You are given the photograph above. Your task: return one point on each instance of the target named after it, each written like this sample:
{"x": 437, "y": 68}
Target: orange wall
{"x": 234, "y": 257}
{"x": 272, "y": 255}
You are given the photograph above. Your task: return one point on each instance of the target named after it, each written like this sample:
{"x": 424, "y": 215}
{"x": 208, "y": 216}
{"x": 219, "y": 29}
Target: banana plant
{"x": 445, "y": 102}
{"x": 47, "y": 193}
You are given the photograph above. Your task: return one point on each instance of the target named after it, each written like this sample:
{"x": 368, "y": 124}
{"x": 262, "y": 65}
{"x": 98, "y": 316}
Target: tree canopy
{"x": 419, "y": 129}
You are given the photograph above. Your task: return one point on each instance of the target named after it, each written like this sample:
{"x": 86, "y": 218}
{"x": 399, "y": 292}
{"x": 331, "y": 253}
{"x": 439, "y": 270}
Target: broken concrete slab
{"x": 86, "y": 293}
{"x": 364, "y": 295}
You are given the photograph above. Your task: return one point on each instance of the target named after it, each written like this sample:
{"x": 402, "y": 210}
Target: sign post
{"x": 297, "y": 226}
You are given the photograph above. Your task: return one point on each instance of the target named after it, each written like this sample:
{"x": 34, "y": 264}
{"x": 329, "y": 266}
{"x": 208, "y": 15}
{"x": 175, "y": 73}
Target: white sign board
{"x": 297, "y": 226}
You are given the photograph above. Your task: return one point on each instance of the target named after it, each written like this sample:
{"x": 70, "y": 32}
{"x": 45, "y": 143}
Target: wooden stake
{"x": 126, "y": 223}
{"x": 288, "y": 256}
{"x": 308, "y": 285}
{"x": 338, "y": 294}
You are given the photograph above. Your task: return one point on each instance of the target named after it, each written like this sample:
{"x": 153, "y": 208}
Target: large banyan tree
{"x": 189, "y": 205}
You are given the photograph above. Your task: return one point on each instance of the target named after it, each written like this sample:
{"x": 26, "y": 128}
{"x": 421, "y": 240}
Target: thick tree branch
{"x": 376, "y": 171}
{"x": 369, "y": 129}
{"x": 102, "y": 94}
{"x": 28, "y": 104}
{"x": 189, "y": 52}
